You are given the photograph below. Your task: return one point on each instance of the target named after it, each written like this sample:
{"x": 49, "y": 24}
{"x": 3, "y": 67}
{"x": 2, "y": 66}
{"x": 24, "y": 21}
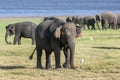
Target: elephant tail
{"x": 31, "y": 56}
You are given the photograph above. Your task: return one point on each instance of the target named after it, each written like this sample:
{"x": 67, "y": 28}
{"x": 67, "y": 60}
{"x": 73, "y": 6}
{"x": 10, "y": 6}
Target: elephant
{"x": 107, "y": 18}
{"x": 86, "y": 20}
{"x": 89, "y": 21}
{"x": 78, "y": 21}
{"x": 21, "y": 29}
{"x": 54, "y": 35}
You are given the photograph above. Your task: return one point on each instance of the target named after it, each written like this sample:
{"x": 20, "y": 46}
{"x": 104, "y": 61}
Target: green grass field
{"x": 97, "y": 57}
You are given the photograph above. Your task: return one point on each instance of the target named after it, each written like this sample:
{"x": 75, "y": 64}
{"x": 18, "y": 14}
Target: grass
{"x": 100, "y": 50}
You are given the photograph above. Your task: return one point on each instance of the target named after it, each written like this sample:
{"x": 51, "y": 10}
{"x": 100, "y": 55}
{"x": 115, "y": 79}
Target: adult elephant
{"x": 77, "y": 20}
{"x": 107, "y": 18}
{"x": 21, "y": 29}
{"x": 53, "y": 35}
{"x": 89, "y": 21}
{"x": 86, "y": 20}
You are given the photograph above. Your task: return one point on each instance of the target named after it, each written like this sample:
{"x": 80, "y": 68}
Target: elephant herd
{"x": 107, "y": 19}
{"x": 54, "y": 34}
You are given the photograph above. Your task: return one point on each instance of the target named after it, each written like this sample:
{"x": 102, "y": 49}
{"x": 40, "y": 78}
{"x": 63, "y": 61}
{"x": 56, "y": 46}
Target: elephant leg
{"x": 39, "y": 55}
{"x": 67, "y": 58}
{"x": 115, "y": 25}
{"x": 93, "y": 27}
{"x": 104, "y": 24}
{"x": 19, "y": 41}
{"x": 56, "y": 48}
{"x": 72, "y": 51}
{"x": 48, "y": 60}
{"x": 16, "y": 38}
{"x": 57, "y": 58}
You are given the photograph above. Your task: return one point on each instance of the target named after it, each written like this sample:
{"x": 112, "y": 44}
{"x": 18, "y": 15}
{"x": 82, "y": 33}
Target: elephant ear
{"x": 58, "y": 32}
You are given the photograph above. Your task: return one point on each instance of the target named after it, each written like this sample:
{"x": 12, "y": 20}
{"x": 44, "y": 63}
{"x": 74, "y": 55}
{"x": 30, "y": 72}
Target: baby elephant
{"x": 21, "y": 29}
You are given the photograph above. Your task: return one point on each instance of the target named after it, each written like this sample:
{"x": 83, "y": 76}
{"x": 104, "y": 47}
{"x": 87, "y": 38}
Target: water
{"x": 28, "y": 8}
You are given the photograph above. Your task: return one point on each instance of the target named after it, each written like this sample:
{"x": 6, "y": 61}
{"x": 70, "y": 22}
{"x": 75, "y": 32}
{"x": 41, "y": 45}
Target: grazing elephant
{"x": 21, "y": 29}
{"x": 107, "y": 18}
{"x": 53, "y": 35}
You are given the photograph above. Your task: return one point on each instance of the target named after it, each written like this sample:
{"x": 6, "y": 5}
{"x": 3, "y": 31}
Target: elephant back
{"x": 109, "y": 16}
{"x": 55, "y": 24}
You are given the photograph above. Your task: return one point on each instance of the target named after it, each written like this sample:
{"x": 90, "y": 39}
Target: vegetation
{"x": 97, "y": 57}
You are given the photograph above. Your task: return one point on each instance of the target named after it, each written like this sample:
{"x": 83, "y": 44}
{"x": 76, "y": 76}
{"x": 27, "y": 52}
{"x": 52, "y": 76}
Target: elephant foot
{"x": 39, "y": 66}
{"x": 73, "y": 67}
{"x": 48, "y": 67}
{"x": 65, "y": 65}
{"x": 58, "y": 66}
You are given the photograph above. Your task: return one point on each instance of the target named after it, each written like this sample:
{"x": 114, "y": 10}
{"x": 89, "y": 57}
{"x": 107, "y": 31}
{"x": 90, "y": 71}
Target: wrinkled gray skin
{"x": 107, "y": 18}
{"x": 53, "y": 35}
{"x": 22, "y": 29}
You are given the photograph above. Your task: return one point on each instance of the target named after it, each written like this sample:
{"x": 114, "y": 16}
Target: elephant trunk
{"x": 6, "y": 36}
{"x": 72, "y": 51}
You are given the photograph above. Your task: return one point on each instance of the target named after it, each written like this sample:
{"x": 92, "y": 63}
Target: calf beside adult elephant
{"x": 21, "y": 29}
{"x": 54, "y": 34}
{"x": 107, "y": 18}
